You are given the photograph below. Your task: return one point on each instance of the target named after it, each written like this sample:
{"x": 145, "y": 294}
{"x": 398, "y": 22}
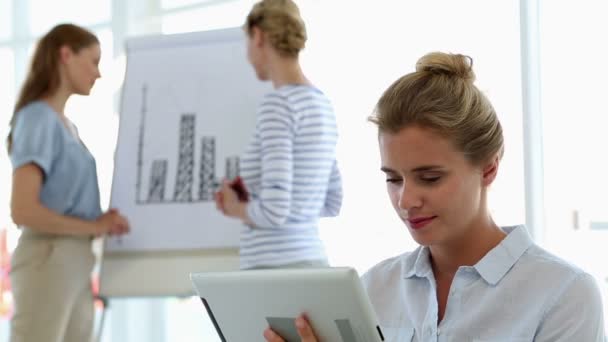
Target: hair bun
{"x": 454, "y": 65}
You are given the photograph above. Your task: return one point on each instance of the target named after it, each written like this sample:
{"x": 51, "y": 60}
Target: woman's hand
{"x": 111, "y": 223}
{"x": 227, "y": 201}
{"x": 304, "y": 330}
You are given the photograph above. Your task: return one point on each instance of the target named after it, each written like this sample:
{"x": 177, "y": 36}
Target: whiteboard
{"x": 187, "y": 112}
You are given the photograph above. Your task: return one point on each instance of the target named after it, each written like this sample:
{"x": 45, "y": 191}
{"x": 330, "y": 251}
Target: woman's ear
{"x": 490, "y": 170}
{"x": 65, "y": 53}
{"x": 257, "y": 36}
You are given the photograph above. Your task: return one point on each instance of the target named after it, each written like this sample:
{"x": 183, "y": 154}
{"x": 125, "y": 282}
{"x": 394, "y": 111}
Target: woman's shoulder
{"x": 549, "y": 276}
{"x": 538, "y": 259}
{"x": 36, "y": 116}
{"x": 564, "y": 288}
{"x": 37, "y": 106}
{"x": 36, "y": 110}
{"x": 519, "y": 257}
{"x": 300, "y": 93}
{"x": 391, "y": 269}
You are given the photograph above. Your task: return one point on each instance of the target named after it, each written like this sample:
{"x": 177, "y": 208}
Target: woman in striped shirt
{"x": 289, "y": 168}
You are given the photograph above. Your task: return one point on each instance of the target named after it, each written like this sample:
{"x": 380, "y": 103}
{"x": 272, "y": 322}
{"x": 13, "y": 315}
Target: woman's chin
{"x": 85, "y": 92}
{"x": 423, "y": 237}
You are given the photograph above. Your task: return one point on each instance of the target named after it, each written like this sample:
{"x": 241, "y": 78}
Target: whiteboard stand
{"x": 157, "y": 273}
{"x": 160, "y": 273}
{"x": 105, "y": 304}
{"x": 171, "y": 152}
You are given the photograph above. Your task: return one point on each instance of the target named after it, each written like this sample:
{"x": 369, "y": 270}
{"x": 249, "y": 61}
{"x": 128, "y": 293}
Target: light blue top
{"x": 517, "y": 292}
{"x": 70, "y": 176}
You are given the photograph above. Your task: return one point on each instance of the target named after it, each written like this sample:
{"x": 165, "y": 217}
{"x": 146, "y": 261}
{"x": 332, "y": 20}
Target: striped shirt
{"x": 290, "y": 170}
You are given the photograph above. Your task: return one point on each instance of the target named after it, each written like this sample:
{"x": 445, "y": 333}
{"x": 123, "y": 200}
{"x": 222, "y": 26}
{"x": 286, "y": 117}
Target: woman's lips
{"x": 420, "y": 222}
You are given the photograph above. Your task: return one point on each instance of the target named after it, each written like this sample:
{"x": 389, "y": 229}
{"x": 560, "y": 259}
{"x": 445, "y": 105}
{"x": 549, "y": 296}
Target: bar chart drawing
{"x": 185, "y": 164}
{"x": 187, "y": 112}
{"x": 158, "y": 179}
{"x": 208, "y": 183}
{"x": 184, "y": 185}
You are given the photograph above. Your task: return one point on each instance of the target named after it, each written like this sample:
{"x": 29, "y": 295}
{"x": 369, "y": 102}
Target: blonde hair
{"x": 280, "y": 20}
{"x": 440, "y": 95}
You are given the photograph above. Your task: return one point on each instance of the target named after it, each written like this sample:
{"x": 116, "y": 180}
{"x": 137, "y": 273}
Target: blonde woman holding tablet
{"x": 470, "y": 280}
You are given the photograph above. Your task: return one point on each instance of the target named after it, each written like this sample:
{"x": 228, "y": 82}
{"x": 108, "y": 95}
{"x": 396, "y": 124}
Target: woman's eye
{"x": 393, "y": 180}
{"x": 431, "y": 179}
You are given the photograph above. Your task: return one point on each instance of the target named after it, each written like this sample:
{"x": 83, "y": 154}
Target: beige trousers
{"x": 51, "y": 284}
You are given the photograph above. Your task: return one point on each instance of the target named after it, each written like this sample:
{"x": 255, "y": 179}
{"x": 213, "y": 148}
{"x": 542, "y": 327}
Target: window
{"x": 7, "y": 84}
{"x": 223, "y": 15}
{"x": 46, "y": 14}
{"x": 355, "y": 72}
{"x": 189, "y": 315}
{"x": 169, "y": 4}
{"x": 95, "y": 117}
{"x": 6, "y": 19}
{"x": 575, "y": 119}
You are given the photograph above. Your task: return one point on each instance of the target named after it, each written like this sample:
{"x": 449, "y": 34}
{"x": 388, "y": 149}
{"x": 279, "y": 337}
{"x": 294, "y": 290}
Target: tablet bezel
{"x": 333, "y": 299}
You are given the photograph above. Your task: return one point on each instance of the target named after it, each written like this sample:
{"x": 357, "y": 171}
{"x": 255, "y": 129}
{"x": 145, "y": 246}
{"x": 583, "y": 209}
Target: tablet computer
{"x": 243, "y": 304}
